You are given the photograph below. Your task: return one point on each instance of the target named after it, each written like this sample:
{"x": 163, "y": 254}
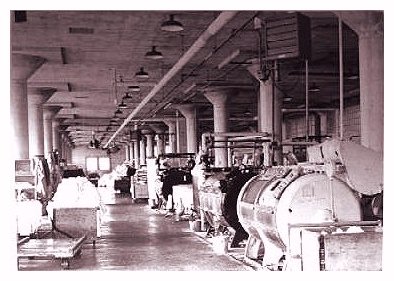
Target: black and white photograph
{"x": 201, "y": 139}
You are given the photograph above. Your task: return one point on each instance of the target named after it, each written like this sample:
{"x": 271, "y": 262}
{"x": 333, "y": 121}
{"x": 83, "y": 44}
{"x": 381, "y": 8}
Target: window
{"x": 91, "y": 164}
{"x": 98, "y": 164}
{"x": 104, "y": 164}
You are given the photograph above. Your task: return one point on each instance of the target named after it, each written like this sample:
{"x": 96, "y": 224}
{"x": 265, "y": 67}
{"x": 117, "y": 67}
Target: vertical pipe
{"x": 340, "y": 79}
{"x": 177, "y": 128}
{"x": 273, "y": 111}
{"x": 307, "y": 100}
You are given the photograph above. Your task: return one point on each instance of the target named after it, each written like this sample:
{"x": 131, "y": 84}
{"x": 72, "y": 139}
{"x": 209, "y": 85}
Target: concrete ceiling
{"x": 92, "y": 57}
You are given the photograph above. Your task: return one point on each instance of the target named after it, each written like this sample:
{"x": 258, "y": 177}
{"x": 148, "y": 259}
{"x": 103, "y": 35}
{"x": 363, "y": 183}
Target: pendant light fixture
{"x": 122, "y": 105}
{"x": 118, "y": 112}
{"x": 171, "y": 25}
{"x": 127, "y": 97}
{"x": 313, "y": 88}
{"x": 154, "y": 54}
{"x": 134, "y": 88}
{"x": 142, "y": 74}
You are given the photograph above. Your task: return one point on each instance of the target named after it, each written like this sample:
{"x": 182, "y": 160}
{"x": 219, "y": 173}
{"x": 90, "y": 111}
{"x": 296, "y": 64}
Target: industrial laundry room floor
{"x": 135, "y": 237}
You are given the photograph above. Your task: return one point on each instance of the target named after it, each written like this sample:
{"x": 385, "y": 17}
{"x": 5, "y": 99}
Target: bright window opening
{"x": 98, "y": 164}
{"x": 104, "y": 164}
{"x": 91, "y": 164}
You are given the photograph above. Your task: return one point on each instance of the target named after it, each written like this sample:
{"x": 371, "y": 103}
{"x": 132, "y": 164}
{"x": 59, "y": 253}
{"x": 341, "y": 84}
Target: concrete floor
{"x": 135, "y": 237}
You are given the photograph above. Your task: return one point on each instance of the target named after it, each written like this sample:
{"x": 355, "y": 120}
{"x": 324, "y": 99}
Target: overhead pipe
{"x": 214, "y": 27}
{"x": 205, "y": 136}
{"x": 170, "y": 94}
{"x": 307, "y": 100}
{"x": 340, "y": 44}
{"x": 289, "y": 110}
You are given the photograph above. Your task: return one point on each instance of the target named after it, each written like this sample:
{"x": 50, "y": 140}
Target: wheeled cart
{"x": 78, "y": 221}
{"x": 63, "y": 249}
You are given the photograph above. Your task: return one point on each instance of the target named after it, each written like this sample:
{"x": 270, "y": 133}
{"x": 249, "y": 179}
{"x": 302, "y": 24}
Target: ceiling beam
{"x": 214, "y": 27}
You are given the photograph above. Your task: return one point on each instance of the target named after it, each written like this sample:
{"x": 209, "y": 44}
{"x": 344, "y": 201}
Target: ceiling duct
{"x": 288, "y": 37}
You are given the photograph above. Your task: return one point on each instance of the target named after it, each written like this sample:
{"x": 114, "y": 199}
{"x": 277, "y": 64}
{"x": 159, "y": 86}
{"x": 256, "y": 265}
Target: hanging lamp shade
{"x": 142, "y": 73}
{"x": 154, "y": 54}
{"x": 122, "y": 105}
{"x": 126, "y": 97}
{"x": 118, "y": 112}
{"x": 314, "y": 88}
{"x": 134, "y": 88}
{"x": 171, "y": 25}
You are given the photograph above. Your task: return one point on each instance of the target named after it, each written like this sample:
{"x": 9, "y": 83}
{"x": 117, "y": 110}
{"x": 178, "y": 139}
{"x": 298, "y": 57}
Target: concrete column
{"x": 22, "y": 67}
{"x": 369, "y": 27}
{"x": 171, "y": 136}
{"x": 136, "y": 148}
{"x": 131, "y": 152}
{"x": 218, "y": 97}
{"x": 62, "y": 151}
{"x": 181, "y": 134}
{"x": 142, "y": 151}
{"x": 149, "y": 145}
{"x": 189, "y": 112}
{"x": 69, "y": 153}
{"x": 127, "y": 152}
{"x": 36, "y": 98}
{"x": 66, "y": 149}
{"x": 56, "y": 135}
{"x": 49, "y": 113}
{"x": 269, "y": 115}
{"x": 160, "y": 142}
{"x": 371, "y": 88}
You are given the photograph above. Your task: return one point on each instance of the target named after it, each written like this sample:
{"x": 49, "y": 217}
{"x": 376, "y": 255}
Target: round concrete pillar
{"x": 371, "y": 86}
{"x": 171, "y": 136}
{"x": 189, "y": 112}
{"x": 36, "y": 98}
{"x": 131, "y": 152}
{"x": 127, "y": 152}
{"x": 49, "y": 113}
{"x": 149, "y": 145}
{"x": 218, "y": 97}
{"x": 369, "y": 27}
{"x": 142, "y": 151}
{"x": 160, "y": 142}
{"x": 136, "y": 148}
{"x": 270, "y": 115}
{"x": 22, "y": 67}
{"x": 56, "y": 135}
{"x": 63, "y": 148}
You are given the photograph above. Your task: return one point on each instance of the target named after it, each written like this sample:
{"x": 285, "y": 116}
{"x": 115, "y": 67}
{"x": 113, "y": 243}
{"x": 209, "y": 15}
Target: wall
{"x": 80, "y": 153}
{"x": 351, "y": 123}
{"x": 295, "y": 127}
